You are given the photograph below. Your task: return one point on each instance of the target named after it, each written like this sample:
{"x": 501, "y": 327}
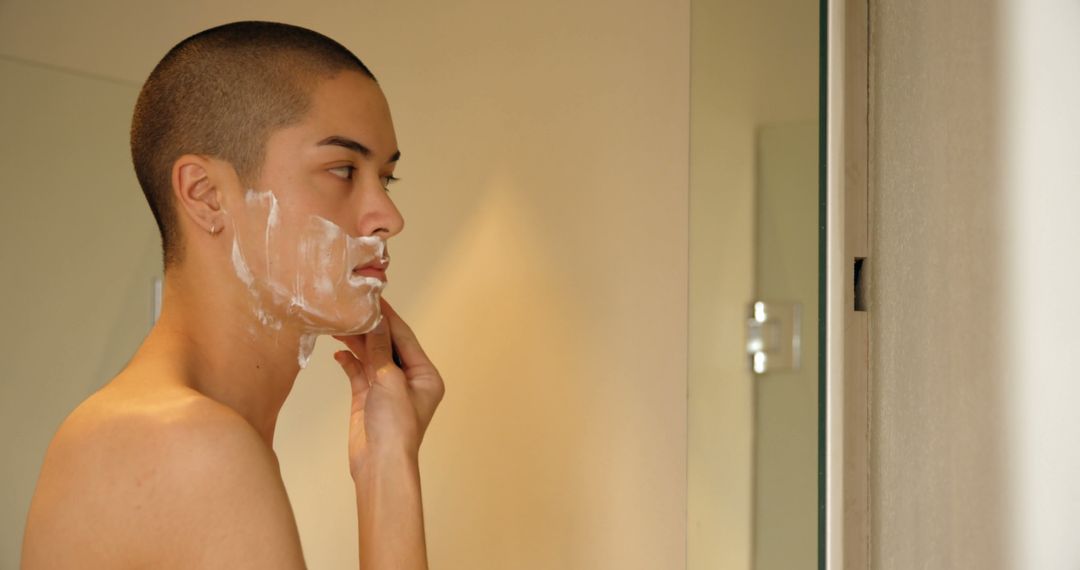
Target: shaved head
{"x": 222, "y": 93}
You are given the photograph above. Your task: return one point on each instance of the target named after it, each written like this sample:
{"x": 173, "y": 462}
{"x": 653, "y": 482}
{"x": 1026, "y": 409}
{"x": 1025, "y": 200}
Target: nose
{"x": 378, "y": 213}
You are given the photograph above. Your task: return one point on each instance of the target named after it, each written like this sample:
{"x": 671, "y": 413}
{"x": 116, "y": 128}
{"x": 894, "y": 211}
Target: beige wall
{"x": 936, "y": 305}
{"x": 544, "y": 265}
{"x": 1041, "y": 87}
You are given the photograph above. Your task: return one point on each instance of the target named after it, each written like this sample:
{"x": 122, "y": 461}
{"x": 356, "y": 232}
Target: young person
{"x": 264, "y": 151}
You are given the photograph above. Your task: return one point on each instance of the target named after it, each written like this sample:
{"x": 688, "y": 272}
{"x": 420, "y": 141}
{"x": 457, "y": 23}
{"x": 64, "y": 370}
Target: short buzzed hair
{"x": 222, "y": 92}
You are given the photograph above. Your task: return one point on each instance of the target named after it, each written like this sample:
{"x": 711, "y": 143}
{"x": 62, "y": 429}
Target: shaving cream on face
{"x": 300, "y": 268}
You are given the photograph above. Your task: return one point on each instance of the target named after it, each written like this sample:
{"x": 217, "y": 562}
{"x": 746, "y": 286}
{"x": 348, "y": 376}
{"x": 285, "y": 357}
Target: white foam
{"x": 311, "y": 294}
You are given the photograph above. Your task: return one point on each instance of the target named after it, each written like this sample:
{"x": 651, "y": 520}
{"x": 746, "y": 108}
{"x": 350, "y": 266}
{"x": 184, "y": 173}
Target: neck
{"x": 210, "y": 335}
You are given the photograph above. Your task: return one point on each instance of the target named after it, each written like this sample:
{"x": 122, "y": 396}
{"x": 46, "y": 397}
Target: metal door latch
{"x": 773, "y": 336}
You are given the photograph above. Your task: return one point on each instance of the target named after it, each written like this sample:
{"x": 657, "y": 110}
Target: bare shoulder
{"x": 169, "y": 479}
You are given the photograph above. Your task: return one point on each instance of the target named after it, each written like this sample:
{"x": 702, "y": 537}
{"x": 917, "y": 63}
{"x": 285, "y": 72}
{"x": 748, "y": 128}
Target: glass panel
{"x": 786, "y": 414}
{"x": 754, "y": 454}
{"x": 79, "y": 252}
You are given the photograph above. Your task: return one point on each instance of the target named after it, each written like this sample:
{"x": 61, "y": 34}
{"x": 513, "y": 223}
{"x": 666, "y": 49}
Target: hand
{"x": 391, "y": 406}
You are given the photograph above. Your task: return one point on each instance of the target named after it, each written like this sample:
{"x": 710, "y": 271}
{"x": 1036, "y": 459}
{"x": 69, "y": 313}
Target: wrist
{"x": 376, "y": 462}
{"x": 390, "y": 513}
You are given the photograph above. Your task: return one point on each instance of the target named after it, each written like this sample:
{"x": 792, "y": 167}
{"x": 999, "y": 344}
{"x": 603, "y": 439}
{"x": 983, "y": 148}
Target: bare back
{"x": 159, "y": 476}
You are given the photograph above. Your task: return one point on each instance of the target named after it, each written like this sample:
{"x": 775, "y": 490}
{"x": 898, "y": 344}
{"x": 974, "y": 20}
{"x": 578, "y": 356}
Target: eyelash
{"x": 390, "y": 179}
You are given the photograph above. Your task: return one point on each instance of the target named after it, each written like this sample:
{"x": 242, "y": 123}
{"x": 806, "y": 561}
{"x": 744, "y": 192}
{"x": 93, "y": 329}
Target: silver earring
{"x": 213, "y": 228}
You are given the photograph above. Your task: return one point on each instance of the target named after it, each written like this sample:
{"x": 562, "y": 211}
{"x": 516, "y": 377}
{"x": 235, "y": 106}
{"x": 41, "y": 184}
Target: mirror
{"x": 754, "y": 212}
{"x": 596, "y": 195}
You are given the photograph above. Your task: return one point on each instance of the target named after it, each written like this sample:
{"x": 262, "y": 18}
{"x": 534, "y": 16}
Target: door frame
{"x": 845, "y": 458}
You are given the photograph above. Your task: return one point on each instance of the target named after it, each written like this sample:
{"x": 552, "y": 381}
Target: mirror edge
{"x": 831, "y": 290}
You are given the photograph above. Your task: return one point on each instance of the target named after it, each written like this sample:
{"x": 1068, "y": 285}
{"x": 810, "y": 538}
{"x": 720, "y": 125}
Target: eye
{"x": 348, "y": 172}
{"x": 388, "y": 180}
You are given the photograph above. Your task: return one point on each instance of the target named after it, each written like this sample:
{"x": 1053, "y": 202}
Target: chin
{"x": 370, "y": 323}
{"x": 357, "y": 322}
{"x": 341, "y": 314}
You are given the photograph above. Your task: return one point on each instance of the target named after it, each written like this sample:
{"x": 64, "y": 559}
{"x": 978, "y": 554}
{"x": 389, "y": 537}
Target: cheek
{"x": 263, "y": 230}
{"x": 249, "y": 223}
{"x": 325, "y": 263}
{"x": 291, "y": 251}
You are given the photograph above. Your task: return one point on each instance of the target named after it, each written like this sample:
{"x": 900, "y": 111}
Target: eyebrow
{"x": 354, "y": 146}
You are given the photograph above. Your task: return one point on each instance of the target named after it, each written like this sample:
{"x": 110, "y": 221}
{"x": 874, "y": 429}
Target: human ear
{"x": 197, "y": 193}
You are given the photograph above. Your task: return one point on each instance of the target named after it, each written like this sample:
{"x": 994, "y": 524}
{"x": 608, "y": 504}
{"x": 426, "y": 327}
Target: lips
{"x": 376, "y": 269}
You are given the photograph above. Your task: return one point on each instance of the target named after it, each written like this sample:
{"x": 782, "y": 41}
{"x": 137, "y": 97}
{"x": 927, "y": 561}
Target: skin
{"x": 171, "y": 464}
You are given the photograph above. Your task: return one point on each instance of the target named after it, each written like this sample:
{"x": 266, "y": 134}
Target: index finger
{"x": 404, "y": 339}
{"x": 378, "y": 345}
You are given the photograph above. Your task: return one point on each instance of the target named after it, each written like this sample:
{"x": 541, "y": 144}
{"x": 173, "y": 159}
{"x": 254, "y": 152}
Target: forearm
{"x": 390, "y": 512}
